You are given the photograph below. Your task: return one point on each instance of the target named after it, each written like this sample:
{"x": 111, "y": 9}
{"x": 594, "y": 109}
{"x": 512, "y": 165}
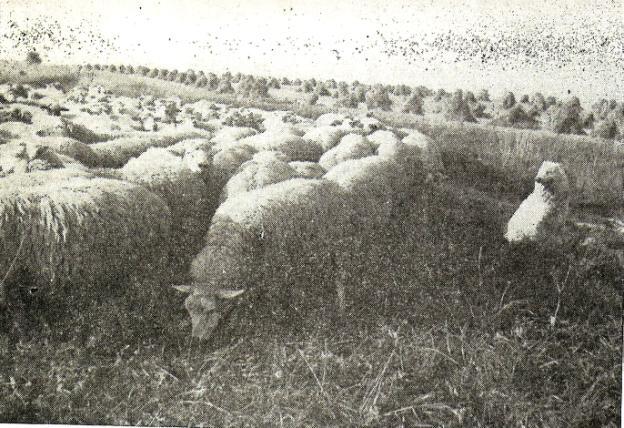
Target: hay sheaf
{"x": 293, "y": 146}
{"x": 265, "y": 168}
{"x": 351, "y": 146}
{"x": 80, "y": 229}
{"x": 116, "y": 153}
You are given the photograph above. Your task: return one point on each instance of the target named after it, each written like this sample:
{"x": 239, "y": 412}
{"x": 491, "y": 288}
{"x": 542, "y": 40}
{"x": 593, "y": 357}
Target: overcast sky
{"x": 520, "y": 45}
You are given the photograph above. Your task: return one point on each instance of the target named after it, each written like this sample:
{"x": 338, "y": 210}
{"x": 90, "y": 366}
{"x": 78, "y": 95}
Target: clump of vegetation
{"x": 414, "y": 105}
{"x": 33, "y": 58}
{"x": 509, "y": 100}
{"x": 517, "y": 117}
{"x": 378, "y": 98}
{"x": 458, "y": 109}
{"x": 15, "y": 115}
{"x": 249, "y": 120}
{"x": 566, "y": 119}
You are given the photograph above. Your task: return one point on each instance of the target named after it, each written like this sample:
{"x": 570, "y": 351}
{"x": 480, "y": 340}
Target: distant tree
{"x": 414, "y": 105}
{"x": 484, "y": 95}
{"x": 33, "y": 58}
{"x": 509, "y": 100}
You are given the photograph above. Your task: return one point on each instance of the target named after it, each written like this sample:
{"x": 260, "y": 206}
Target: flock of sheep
{"x": 95, "y": 194}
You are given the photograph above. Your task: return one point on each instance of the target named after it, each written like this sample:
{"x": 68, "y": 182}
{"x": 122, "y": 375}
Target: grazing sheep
{"x": 183, "y": 187}
{"x": 293, "y": 225}
{"x": 115, "y": 153}
{"x": 331, "y": 119}
{"x": 542, "y": 214}
{"x": 231, "y": 134}
{"x": 370, "y": 184}
{"x": 266, "y": 167}
{"x": 382, "y": 136}
{"x": 351, "y": 146}
{"x": 293, "y": 146}
{"x": 308, "y": 169}
{"x": 226, "y": 161}
{"x": 326, "y": 136}
{"x": 431, "y": 154}
{"x": 69, "y": 228}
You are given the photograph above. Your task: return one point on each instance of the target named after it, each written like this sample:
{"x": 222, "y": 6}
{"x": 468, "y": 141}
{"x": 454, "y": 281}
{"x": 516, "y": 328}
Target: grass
{"x": 449, "y": 327}
{"x": 596, "y": 166}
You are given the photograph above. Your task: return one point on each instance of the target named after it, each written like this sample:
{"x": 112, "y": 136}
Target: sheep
{"x": 351, "y": 146}
{"x": 326, "y": 136}
{"x": 226, "y": 161}
{"x": 308, "y": 169}
{"x": 266, "y": 167}
{"x": 293, "y": 146}
{"x": 331, "y": 119}
{"x": 116, "y": 153}
{"x": 381, "y": 136}
{"x": 293, "y": 225}
{"x": 543, "y": 212}
{"x": 431, "y": 153}
{"x": 73, "y": 233}
{"x": 231, "y": 134}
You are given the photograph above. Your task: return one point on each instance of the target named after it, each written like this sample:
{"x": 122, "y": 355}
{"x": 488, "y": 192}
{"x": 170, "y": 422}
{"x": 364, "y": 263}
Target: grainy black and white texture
{"x": 339, "y": 213}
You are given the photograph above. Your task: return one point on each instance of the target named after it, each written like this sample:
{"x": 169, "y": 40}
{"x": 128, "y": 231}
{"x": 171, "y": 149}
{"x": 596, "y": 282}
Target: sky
{"x": 571, "y": 47}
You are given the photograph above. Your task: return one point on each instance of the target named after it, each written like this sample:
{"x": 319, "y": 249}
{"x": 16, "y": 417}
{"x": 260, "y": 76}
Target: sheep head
{"x": 553, "y": 178}
{"x": 205, "y": 306}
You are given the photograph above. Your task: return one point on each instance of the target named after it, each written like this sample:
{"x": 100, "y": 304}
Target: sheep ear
{"x": 183, "y": 288}
{"x": 228, "y": 294}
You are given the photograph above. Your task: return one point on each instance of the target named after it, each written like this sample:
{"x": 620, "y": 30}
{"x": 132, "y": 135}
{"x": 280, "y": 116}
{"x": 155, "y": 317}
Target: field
{"x": 443, "y": 323}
